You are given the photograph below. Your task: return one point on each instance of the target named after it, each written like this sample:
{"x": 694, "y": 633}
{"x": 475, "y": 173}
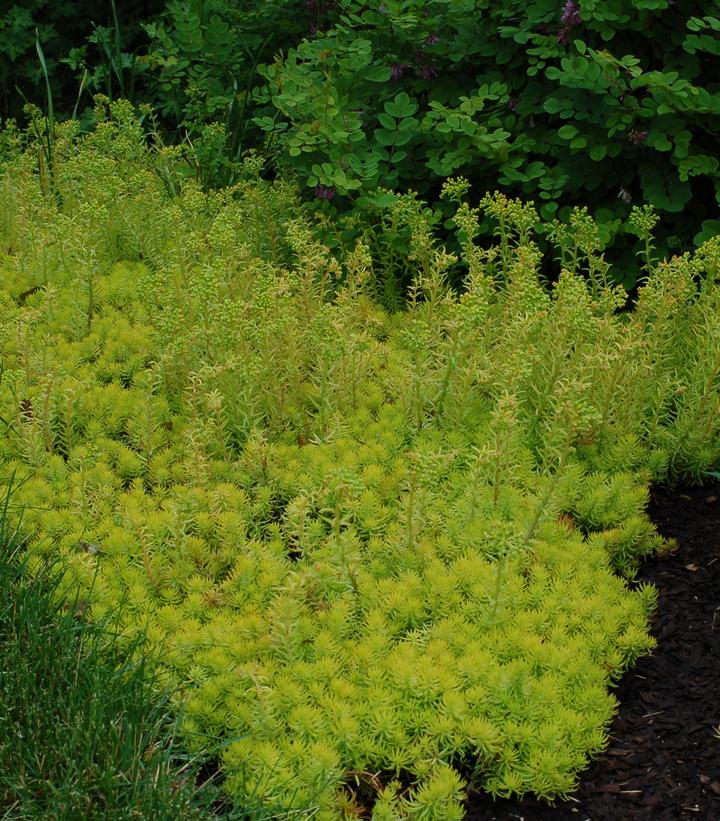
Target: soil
{"x": 663, "y": 760}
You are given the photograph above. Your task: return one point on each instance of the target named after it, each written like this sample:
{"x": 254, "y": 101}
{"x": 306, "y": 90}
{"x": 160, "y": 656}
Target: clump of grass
{"x": 83, "y": 731}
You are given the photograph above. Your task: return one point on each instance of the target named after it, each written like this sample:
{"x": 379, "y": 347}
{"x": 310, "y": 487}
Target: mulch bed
{"x": 663, "y": 761}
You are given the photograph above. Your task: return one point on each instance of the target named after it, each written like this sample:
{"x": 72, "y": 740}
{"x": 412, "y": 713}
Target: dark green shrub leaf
{"x": 567, "y": 132}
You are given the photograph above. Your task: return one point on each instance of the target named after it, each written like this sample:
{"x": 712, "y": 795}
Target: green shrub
{"x": 379, "y": 552}
{"x": 195, "y": 63}
{"x": 609, "y": 103}
{"x": 202, "y": 61}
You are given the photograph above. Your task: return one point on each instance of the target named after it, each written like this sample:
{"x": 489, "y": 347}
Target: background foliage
{"x": 74, "y": 35}
{"x": 601, "y": 103}
{"x": 605, "y": 104}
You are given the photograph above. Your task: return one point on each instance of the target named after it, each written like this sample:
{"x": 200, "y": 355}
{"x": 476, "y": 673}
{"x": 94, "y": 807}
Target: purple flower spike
{"x": 637, "y": 137}
{"x": 570, "y": 18}
{"x": 432, "y": 40}
{"x": 513, "y": 104}
{"x": 324, "y": 192}
{"x": 397, "y": 70}
{"x": 571, "y": 14}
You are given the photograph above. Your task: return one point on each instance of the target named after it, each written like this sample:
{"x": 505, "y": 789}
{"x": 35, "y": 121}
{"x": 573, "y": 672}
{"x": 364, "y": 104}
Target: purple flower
{"x": 637, "y": 137}
{"x": 428, "y": 72}
{"x": 570, "y": 18}
{"x": 324, "y": 192}
{"x": 432, "y": 40}
{"x": 571, "y": 14}
{"x": 397, "y": 70}
{"x": 513, "y": 104}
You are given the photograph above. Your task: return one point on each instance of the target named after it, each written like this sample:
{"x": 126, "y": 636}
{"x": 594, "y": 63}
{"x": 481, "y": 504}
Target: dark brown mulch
{"x": 663, "y": 761}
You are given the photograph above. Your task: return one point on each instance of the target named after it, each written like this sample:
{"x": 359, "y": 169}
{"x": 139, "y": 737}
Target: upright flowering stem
{"x": 570, "y": 18}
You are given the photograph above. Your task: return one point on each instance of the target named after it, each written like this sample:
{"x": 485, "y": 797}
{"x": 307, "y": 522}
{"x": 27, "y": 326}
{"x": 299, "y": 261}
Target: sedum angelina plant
{"x": 379, "y": 552}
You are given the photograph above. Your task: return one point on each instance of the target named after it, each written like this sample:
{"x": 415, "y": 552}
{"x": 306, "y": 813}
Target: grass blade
{"x": 48, "y": 92}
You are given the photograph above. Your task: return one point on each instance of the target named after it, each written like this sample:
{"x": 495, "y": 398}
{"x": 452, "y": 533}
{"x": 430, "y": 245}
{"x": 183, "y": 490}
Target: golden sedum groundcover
{"x": 382, "y": 557}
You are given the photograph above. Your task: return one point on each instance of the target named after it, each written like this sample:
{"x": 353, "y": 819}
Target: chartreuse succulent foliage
{"x": 377, "y": 551}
